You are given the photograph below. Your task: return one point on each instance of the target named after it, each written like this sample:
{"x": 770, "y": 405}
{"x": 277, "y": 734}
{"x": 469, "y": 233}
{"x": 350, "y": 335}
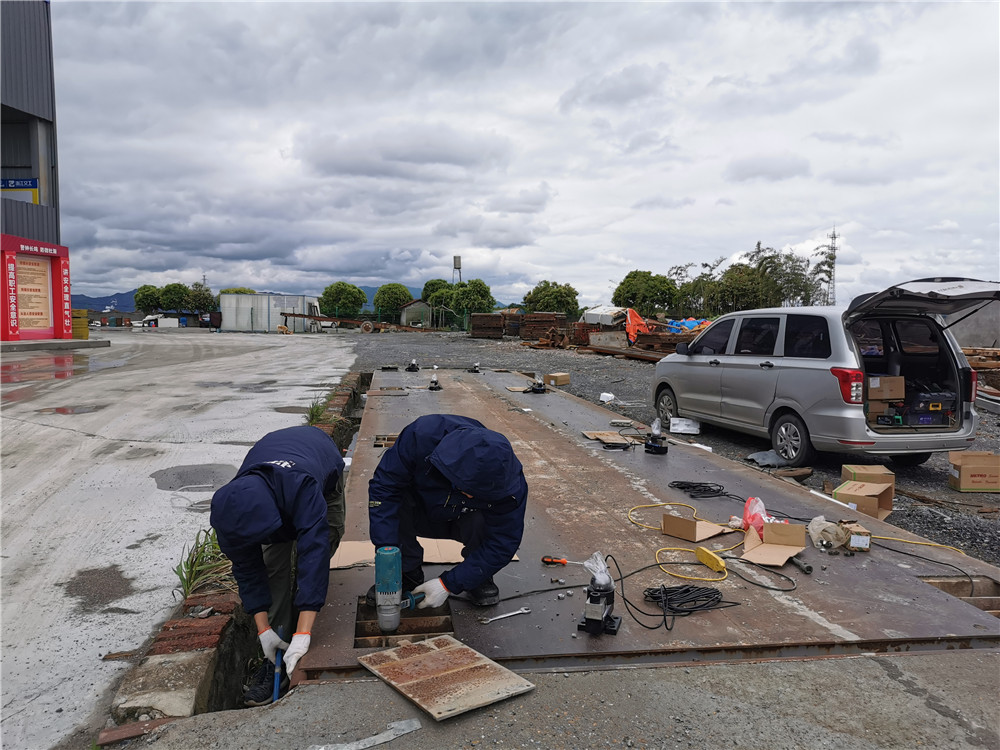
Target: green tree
{"x": 237, "y": 290}
{"x": 646, "y": 292}
{"x": 202, "y": 300}
{"x": 389, "y": 298}
{"x": 342, "y": 300}
{"x": 473, "y": 297}
{"x": 432, "y": 286}
{"x": 549, "y": 296}
{"x": 147, "y": 299}
{"x": 175, "y": 296}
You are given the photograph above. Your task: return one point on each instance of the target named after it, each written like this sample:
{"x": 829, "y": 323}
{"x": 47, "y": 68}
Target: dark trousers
{"x": 468, "y": 528}
{"x": 280, "y": 562}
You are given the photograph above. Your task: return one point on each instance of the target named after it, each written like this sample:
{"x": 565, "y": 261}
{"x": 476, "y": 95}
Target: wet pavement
{"x": 110, "y": 457}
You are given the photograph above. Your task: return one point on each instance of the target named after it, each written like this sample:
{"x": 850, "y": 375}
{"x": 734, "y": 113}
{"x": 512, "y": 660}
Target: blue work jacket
{"x": 436, "y": 459}
{"x": 277, "y": 496}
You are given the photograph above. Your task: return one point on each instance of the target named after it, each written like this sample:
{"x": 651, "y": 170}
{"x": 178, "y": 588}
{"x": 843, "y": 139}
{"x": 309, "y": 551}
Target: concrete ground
{"x": 109, "y": 460}
{"x": 110, "y": 457}
{"x": 945, "y": 700}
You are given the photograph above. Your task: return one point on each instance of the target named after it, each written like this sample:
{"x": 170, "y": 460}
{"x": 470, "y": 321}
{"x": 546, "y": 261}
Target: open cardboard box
{"x": 781, "y": 542}
{"x": 690, "y": 529}
{"x": 868, "y": 473}
{"x": 871, "y": 498}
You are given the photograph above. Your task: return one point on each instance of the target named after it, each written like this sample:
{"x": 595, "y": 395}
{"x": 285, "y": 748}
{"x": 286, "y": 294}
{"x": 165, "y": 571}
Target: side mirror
{"x": 682, "y": 348}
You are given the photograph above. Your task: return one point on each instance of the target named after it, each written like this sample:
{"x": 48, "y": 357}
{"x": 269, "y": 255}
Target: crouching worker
{"x": 448, "y": 477}
{"x": 279, "y": 522}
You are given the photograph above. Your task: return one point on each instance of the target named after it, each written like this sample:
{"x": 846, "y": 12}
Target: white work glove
{"x": 300, "y": 644}
{"x": 435, "y": 593}
{"x": 270, "y": 642}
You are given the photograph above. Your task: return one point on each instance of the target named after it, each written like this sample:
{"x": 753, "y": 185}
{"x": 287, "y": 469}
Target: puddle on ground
{"x": 193, "y": 478}
{"x": 262, "y": 387}
{"x": 96, "y": 588}
{"x": 54, "y": 367}
{"x": 292, "y": 409}
{"x": 72, "y": 409}
{"x": 147, "y": 538}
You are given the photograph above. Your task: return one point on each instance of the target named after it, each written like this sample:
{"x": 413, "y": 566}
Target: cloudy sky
{"x": 288, "y": 146}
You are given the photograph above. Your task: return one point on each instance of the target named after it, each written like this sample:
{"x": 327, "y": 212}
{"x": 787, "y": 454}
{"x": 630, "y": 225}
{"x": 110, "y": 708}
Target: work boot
{"x": 410, "y": 581}
{"x": 260, "y": 689}
{"x": 485, "y": 594}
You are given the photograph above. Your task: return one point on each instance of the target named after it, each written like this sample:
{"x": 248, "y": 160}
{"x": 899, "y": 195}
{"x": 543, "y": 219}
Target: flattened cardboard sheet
{"x": 612, "y": 437}
{"x": 691, "y": 529}
{"x": 360, "y": 554}
{"x": 781, "y": 542}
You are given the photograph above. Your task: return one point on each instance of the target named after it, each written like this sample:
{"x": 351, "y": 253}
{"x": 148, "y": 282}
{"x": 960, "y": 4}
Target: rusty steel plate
{"x": 445, "y": 677}
{"x": 578, "y": 503}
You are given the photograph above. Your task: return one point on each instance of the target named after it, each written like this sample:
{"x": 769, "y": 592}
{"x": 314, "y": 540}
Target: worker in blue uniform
{"x": 279, "y": 521}
{"x": 449, "y": 477}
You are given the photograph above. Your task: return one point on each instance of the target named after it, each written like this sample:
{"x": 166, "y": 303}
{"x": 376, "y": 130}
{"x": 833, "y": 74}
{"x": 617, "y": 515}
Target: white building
{"x": 262, "y": 313}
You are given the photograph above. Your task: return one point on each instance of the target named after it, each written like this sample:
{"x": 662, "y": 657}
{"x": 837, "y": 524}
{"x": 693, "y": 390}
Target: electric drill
{"x": 389, "y": 596}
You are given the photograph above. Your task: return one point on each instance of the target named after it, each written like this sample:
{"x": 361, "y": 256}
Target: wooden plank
{"x": 612, "y": 437}
{"x": 444, "y": 677}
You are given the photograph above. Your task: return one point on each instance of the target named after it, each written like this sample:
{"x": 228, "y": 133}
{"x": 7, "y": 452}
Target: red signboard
{"x": 36, "y": 290}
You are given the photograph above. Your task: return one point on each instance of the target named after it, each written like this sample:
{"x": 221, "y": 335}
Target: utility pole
{"x": 832, "y": 291}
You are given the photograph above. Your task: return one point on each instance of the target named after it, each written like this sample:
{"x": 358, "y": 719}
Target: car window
{"x": 757, "y": 336}
{"x": 714, "y": 340}
{"x": 868, "y": 334}
{"x": 807, "y": 336}
{"x": 917, "y": 337}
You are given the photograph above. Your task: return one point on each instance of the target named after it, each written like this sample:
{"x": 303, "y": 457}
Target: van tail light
{"x": 851, "y": 384}
{"x": 973, "y": 384}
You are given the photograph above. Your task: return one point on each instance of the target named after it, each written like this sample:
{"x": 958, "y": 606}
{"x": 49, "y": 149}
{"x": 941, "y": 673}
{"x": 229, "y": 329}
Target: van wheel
{"x": 910, "y": 459}
{"x": 790, "y": 440}
{"x": 666, "y": 405}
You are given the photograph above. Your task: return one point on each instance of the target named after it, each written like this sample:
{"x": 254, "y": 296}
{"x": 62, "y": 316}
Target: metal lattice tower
{"x": 832, "y": 291}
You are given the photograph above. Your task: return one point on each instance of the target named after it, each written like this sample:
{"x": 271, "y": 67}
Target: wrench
{"x": 521, "y": 611}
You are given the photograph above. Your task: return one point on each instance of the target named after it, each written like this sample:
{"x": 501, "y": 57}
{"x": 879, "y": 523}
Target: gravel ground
{"x": 925, "y": 505}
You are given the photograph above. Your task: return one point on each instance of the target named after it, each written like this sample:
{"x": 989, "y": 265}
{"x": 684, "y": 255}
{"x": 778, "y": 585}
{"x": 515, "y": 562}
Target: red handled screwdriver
{"x": 559, "y": 561}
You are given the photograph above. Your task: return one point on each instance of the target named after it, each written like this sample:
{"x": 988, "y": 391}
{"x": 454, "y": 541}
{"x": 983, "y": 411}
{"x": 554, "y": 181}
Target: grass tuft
{"x": 203, "y": 565}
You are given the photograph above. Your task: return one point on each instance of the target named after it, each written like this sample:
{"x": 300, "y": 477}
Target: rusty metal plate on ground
{"x": 445, "y": 677}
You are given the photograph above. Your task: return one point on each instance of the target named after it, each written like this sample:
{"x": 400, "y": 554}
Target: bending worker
{"x": 448, "y": 477}
{"x": 284, "y": 511}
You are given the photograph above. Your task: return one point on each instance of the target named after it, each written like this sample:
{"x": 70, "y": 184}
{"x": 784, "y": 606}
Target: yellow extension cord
{"x": 681, "y": 549}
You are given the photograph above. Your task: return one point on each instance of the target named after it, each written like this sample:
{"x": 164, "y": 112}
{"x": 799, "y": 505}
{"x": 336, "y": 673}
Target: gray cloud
{"x": 851, "y": 138}
{"x": 771, "y": 168}
{"x": 529, "y": 201}
{"x": 659, "y": 201}
{"x": 631, "y": 84}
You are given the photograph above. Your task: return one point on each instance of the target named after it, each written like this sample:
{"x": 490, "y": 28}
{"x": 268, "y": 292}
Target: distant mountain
{"x": 122, "y": 302}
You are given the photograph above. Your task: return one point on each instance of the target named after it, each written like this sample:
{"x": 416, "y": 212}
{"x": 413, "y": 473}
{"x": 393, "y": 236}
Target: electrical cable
{"x": 704, "y": 490}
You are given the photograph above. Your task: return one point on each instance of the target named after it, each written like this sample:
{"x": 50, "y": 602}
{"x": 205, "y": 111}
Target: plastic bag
{"x": 820, "y": 531}
{"x": 598, "y": 570}
{"x": 754, "y": 514}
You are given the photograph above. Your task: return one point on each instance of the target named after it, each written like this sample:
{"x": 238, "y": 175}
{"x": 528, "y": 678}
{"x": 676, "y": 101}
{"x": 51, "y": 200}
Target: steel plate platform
{"x": 579, "y": 497}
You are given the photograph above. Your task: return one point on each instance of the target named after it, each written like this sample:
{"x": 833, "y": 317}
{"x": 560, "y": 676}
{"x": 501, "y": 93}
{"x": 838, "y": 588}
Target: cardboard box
{"x": 860, "y": 539}
{"x": 974, "y": 471}
{"x": 871, "y": 498}
{"x": 886, "y": 387}
{"x": 690, "y": 529}
{"x": 875, "y": 473}
{"x": 781, "y": 542}
{"x": 557, "y": 378}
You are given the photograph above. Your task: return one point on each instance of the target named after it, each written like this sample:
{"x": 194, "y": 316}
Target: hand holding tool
{"x": 297, "y": 649}
{"x": 521, "y": 611}
{"x": 270, "y": 642}
{"x": 434, "y": 591}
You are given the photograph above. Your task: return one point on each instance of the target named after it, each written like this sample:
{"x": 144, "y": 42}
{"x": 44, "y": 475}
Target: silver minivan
{"x": 807, "y": 377}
